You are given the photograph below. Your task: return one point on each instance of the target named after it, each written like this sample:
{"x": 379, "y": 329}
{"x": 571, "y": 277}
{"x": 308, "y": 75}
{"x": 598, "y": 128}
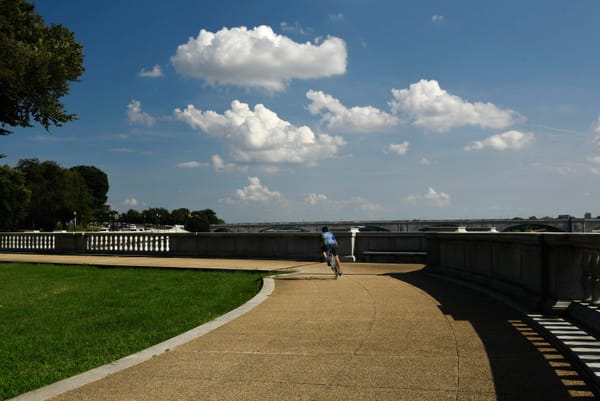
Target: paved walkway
{"x": 380, "y": 332}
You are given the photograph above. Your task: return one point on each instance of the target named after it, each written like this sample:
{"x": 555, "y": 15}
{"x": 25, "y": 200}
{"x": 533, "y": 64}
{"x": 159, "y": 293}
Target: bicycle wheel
{"x": 334, "y": 265}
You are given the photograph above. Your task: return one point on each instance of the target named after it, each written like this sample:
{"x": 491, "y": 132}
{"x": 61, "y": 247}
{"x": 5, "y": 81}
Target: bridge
{"x": 561, "y": 224}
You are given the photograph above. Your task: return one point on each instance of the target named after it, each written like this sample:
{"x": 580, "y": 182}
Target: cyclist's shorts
{"x": 334, "y": 250}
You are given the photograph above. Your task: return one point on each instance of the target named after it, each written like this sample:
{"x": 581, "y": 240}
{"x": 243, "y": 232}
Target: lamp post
{"x": 75, "y": 220}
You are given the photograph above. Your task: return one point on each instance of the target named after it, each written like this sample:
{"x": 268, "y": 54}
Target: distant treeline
{"x": 196, "y": 221}
{"x": 44, "y": 196}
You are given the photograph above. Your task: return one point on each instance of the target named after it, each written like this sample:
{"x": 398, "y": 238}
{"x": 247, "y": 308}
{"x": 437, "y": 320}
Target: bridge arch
{"x": 440, "y": 227}
{"x": 526, "y": 227}
{"x": 283, "y": 229}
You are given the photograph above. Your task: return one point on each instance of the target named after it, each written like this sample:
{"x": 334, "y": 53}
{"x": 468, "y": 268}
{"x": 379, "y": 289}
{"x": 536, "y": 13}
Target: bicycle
{"x": 332, "y": 261}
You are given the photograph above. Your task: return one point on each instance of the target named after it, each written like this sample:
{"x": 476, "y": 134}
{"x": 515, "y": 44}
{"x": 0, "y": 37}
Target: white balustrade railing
{"x": 133, "y": 243}
{"x": 27, "y": 241}
{"x": 118, "y": 243}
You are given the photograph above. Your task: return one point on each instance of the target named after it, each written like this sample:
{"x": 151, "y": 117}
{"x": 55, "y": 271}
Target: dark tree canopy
{"x": 97, "y": 182}
{"x": 14, "y": 198}
{"x": 37, "y": 64}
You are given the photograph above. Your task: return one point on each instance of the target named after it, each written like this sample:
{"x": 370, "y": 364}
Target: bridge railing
{"x": 549, "y": 271}
{"x": 273, "y": 245}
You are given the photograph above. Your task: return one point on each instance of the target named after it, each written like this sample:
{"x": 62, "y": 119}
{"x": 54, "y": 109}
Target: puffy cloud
{"x": 431, "y": 107}
{"x": 355, "y": 119}
{"x": 294, "y": 27}
{"x": 260, "y": 136}
{"x": 355, "y": 203}
{"x": 130, "y": 202}
{"x": 595, "y": 159}
{"x": 336, "y": 17}
{"x": 257, "y": 58}
{"x": 510, "y": 140}
{"x": 137, "y": 116}
{"x": 220, "y": 166}
{"x": 425, "y": 161}
{"x": 439, "y": 199}
{"x": 596, "y": 130}
{"x": 253, "y": 192}
{"x": 155, "y": 72}
{"x": 596, "y": 126}
{"x": 364, "y": 204}
{"x": 190, "y": 164}
{"x": 314, "y": 198}
{"x": 398, "y": 148}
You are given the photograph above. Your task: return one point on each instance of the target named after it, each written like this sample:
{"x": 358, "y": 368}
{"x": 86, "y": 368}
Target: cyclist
{"x": 328, "y": 241}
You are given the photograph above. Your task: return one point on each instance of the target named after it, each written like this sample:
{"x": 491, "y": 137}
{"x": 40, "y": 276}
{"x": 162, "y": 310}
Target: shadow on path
{"x": 524, "y": 365}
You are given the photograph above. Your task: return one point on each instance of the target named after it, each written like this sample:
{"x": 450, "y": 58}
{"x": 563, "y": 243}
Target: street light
{"x": 75, "y": 219}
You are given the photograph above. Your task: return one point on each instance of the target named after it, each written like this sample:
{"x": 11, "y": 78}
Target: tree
{"x": 158, "y": 216}
{"x": 96, "y": 181}
{"x": 56, "y": 194}
{"x": 14, "y": 198}
{"x": 37, "y": 64}
{"x": 180, "y": 216}
{"x": 133, "y": 216}
{"x": 200, "y": 220}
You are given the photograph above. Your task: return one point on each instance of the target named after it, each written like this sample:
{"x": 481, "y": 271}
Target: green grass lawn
{"x": 57, "y": 321}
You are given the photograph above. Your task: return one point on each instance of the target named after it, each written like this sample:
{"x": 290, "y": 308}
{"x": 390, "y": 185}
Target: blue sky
{"x": 290, "y": 111}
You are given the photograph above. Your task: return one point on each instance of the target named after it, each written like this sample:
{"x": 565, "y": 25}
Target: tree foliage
{"x": 37, "y": 64}
{"x": 56, "y": 194}
{"x": 96, "y": 181}
{"x": 14, "y": 198}
{"x": 196, "y": 221}
{"x": 43, "y": 195}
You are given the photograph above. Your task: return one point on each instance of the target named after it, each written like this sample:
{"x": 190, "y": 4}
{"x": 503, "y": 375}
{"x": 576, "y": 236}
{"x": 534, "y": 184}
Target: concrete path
{"x": 380, "y": 332}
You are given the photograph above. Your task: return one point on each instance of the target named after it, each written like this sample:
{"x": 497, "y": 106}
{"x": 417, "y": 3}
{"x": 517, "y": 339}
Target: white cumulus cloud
{"x": 429, "y": 106}
{"x": 353, "y": 203}
{"x": 155, "y": 72}
{"x": 596, "y": 130}
{"x": 219, "y": 165}
{"x": 255, "y": 191}
{"x": 257, "y": 58}
{"x": 338, "y": 117}
{"x": 137, "y": 116}
{"x": 510, "y": 140}
{"x": 596, "y": 126}
{"x": 315, "y": 198}
{"x": 439, "y": 199}
{"x": 425, "y": 161}
{"x": 190, "y": 164}
{"x": 400, "y": 149}
{"x": 130, "y": 202}
{"x": 260, "y": 136}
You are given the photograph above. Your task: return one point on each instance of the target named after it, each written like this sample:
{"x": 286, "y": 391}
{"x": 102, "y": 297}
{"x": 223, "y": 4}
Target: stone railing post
{"x": 586, "y": 274}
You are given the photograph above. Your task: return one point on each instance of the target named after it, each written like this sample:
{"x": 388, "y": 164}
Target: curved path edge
{"x": 100, "y": 372}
